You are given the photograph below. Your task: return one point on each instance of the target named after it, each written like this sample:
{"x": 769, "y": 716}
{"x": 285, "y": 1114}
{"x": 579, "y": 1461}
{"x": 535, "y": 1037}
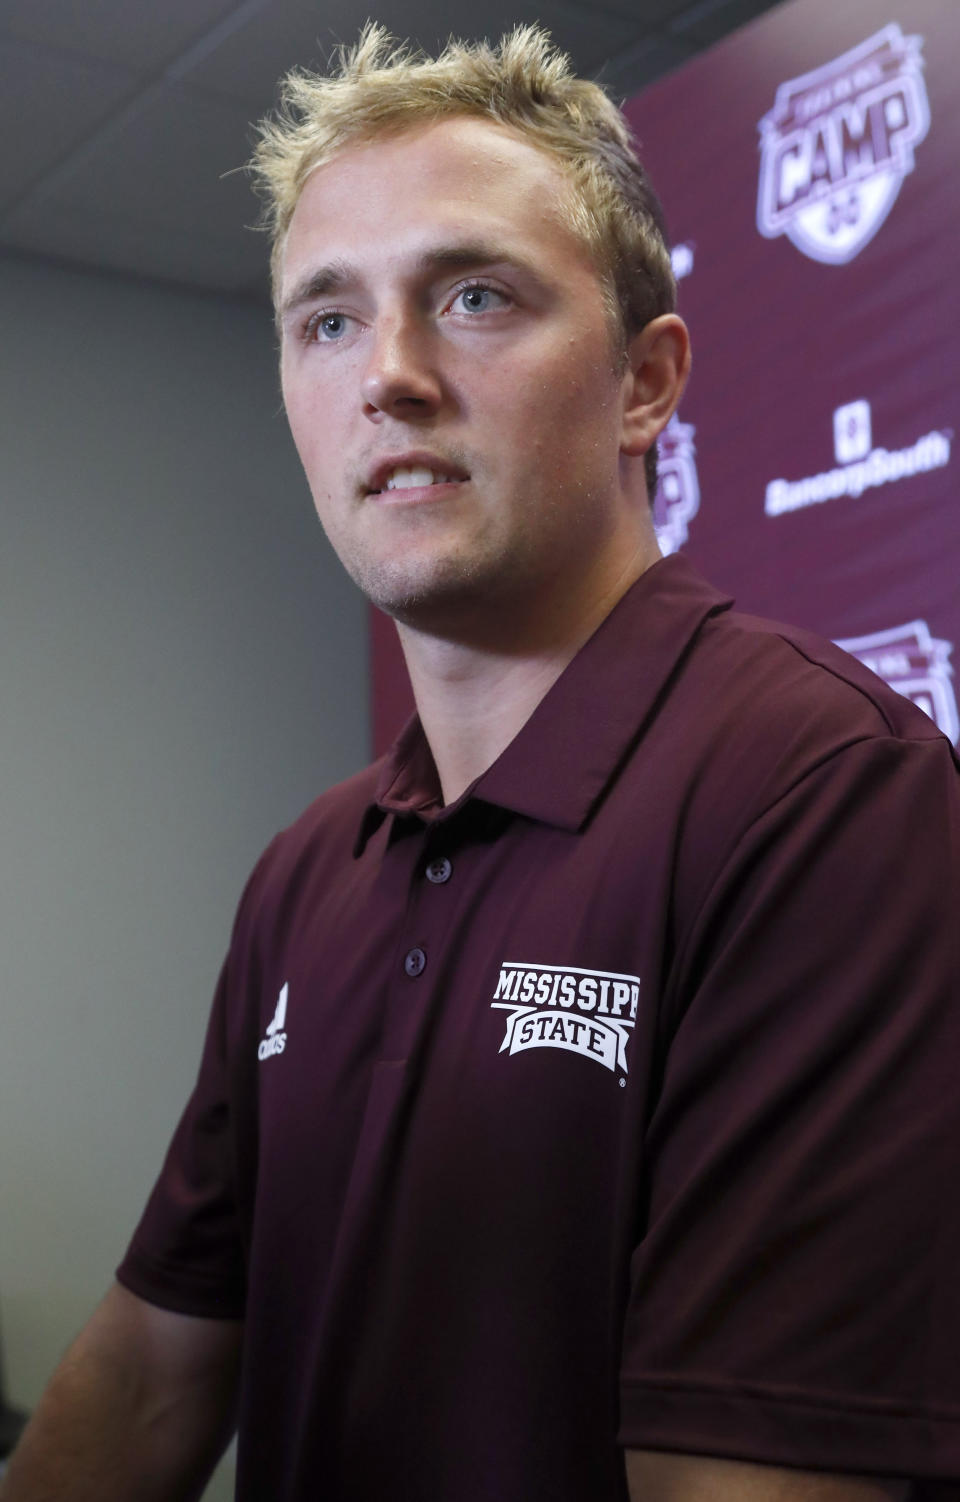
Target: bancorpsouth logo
{"x": 589, "y": 1012}
{"x": 838, "y": 143}
{"x": 860, "y": 466}
{"x": 678, "y": 490}
{"x": 917, "y": 665}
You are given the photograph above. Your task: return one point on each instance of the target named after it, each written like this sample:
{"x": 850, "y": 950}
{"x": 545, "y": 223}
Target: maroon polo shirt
{"x": 613, "y": 1105}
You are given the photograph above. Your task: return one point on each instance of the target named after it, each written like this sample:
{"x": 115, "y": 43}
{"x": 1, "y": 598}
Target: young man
{"x": 577, "y": 1116}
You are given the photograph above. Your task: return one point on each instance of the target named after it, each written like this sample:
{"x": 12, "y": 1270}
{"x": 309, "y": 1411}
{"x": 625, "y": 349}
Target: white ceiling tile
{"x": 49, "y": 101}
{"x": 706, "y": 21}
{"x": 167, "y": 162}
{"x": 635, "y": 67}
{"x": 140, "y": 35}
{"x": 249, "y": 63}
{"x": 646, "y": 15}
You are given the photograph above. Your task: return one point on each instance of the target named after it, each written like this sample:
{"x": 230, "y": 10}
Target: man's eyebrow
{"x": 463, "y": 256}
{"x": 338, "y": 275}
{"x": 318, "y": 283}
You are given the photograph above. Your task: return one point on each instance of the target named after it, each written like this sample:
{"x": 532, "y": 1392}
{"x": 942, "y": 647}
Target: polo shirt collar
{"x": 562, "y": 759}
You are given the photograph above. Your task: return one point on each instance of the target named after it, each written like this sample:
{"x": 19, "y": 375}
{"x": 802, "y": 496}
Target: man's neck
{"x": 473, "y": 696}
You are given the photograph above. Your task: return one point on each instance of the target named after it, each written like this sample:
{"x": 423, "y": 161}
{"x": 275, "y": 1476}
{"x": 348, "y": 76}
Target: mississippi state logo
{"x": 917, "y": 665}
{"x": 678, "y": 490}
{"x": 589, "y": 1012}
{"x": 837, "y": 145}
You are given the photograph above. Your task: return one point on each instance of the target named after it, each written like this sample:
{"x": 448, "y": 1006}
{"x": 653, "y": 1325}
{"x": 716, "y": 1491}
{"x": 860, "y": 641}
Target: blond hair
{"x": 523, "y": 83}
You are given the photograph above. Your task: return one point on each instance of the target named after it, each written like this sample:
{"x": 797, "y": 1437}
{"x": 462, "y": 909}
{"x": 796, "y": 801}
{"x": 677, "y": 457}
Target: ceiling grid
{"x": 129, "y": 120}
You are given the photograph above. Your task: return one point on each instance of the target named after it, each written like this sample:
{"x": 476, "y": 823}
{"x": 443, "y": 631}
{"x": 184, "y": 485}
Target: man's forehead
{"x": 451, "y": 181}
{"x": 461, "y": 160}
{"x": 491, "y": 145}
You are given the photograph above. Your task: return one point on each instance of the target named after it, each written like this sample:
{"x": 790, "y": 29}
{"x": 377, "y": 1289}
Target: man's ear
{"x": 658, "y": 366}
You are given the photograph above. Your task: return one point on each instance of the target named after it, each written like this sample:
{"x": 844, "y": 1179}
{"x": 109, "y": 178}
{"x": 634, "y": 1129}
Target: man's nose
{"x": 401, "y": 379}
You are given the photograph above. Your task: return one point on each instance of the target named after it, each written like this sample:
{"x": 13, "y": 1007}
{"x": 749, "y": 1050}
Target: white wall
{"x": 182, "y": 667}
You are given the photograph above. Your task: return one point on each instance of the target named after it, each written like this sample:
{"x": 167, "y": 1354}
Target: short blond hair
{"x": 523, "y": 83}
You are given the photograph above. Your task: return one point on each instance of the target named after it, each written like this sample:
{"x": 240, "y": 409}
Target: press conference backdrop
{"x": 808, "y": 168}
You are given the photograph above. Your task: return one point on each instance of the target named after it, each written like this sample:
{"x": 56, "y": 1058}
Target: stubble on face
{"x": 426, "y": 576}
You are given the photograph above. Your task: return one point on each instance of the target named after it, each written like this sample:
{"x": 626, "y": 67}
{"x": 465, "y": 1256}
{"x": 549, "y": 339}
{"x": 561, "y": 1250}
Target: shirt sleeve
{"x": 186, "y": 1253}
{"x": 795, "y": 1296}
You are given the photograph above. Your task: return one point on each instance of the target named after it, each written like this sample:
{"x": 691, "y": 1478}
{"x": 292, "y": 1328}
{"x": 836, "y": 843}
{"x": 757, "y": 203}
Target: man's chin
{"x": 434, "y": 599}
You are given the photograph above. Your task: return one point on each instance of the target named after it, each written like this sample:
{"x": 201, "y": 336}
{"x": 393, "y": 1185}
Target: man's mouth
{"x": 414, "y": 472}
{"x": 415, "y": 478}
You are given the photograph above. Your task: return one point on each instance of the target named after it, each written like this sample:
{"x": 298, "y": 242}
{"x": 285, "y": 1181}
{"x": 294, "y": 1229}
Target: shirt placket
{"x": 432, "y": 893}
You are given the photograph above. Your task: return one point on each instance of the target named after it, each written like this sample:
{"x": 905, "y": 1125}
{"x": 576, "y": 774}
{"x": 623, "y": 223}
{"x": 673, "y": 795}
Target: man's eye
{"x": 479, "y": 299}
{"x": 327, "y": 328}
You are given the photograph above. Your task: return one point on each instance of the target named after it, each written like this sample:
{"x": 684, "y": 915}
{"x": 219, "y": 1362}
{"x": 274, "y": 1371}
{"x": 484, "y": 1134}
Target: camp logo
{"x": 678, "y": 490}
{"x": 917, "y": 665}
{"x": 589, "y": 1012}
{"x": 860, "y": 465}
{"x": 837, "y": 145}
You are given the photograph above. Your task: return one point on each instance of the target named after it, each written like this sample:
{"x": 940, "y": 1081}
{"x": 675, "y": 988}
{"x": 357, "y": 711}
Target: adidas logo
{"x": 276, "y": 1039}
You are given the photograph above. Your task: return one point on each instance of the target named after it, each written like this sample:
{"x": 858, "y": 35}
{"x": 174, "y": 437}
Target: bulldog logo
{"x": 917, "y": 665}
{"x": 837, "y": 145}
{"x": 678, "y": 489}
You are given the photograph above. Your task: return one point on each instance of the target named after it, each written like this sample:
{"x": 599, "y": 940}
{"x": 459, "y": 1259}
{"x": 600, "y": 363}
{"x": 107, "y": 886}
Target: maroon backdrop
{"x": 808, "y": 167}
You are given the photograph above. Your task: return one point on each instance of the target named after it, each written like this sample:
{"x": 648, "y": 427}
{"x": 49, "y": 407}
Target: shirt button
{"x": 439, "y": 870}
{"x": 414, "y": 961}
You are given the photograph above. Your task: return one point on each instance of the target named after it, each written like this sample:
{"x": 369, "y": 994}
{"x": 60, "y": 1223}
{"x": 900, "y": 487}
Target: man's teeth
{"x": 406, "y": 479}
